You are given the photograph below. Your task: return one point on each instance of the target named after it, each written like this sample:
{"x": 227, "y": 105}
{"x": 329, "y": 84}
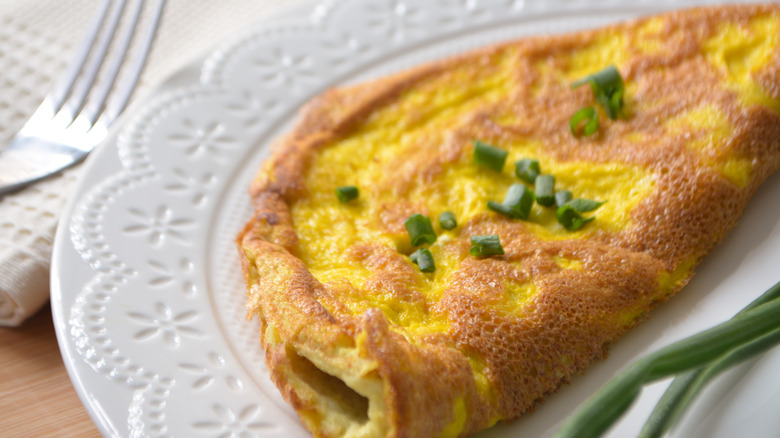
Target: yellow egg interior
{"x": 709, "y": 131}
{"x": 328, "y": 228}
{"x": 648, "y": 41}
{"x": 739, "y": 51}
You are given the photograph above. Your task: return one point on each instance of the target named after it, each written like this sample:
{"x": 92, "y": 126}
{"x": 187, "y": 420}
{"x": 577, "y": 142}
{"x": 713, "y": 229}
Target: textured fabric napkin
{"x": 37, "y": 38}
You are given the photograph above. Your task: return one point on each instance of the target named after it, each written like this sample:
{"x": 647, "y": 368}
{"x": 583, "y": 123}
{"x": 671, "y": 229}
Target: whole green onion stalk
{"x": 704, "y": 349}
{"x": 684, "y": 388}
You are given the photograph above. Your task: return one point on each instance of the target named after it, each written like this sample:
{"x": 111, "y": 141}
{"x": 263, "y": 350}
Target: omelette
{"x": 435, "y": 251}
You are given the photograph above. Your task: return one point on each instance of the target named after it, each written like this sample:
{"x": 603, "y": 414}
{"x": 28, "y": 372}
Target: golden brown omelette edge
{"x": 389, "y": 386}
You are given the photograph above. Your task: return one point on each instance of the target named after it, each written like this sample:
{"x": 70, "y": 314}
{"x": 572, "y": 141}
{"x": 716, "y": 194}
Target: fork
{"x": 76, "y": 114}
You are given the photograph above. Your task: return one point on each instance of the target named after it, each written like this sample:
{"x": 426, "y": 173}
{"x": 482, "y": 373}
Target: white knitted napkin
{"x": 37, "y": 38}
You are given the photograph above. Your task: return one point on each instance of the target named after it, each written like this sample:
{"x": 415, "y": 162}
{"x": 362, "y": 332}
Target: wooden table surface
{"x": 36, "y": 396}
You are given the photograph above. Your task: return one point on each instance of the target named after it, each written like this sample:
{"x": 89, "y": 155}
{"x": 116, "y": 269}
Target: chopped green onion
{"x": 486, "y": 245}
{"x": 517, "y": 203}
{"x": 608, "y": 89}
{"x": 420, "y": 229}
{"x": 545, "y": 190}
{"x": 424, "y": 259}
{"x": 489, "y": 156}
{"x": 500, "y": 209}
{"x": 519, "y": 198}
{"x": 447, "y": 220}
{"x": 585, "y": 205}
{"x": 570, "y": 218}
{"x": 347, "y": 193}
{"x": 590, "y": 116}
{"x": 527, "y": 170}
{"x": 562, "y": 197}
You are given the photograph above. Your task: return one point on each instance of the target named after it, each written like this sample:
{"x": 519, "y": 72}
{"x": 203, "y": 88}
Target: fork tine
{"x": 96, "y": 103}
{"x": 78, "y": 96}
{"x": 64, "y": 85}
{"x": 121, "y": 96}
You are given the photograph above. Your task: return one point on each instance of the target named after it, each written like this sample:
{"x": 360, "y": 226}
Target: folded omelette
{"x": 362, "y": 342}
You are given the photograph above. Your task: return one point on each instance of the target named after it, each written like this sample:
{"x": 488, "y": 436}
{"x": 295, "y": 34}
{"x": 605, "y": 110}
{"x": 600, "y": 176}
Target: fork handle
{"x": 27, "y": 160}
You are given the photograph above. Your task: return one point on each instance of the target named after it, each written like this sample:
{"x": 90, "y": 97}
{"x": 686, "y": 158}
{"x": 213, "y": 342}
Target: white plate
{"x": 146, "y": 289}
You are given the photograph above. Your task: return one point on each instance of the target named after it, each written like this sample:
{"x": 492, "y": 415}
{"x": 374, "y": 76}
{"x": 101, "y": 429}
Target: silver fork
{"x": 76, "y": 114}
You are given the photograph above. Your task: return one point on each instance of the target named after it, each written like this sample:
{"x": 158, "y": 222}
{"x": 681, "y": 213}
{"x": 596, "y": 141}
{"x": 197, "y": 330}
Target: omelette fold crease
{"x": 363, "y": 344}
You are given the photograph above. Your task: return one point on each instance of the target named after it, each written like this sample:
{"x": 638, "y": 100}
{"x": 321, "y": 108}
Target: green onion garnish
{"x": 420, "y": 229}
{"x": 562, "y": 197}
{"x": 347, "y": 193}
{"x": 447, "y": 220}
{"x": 585, "y": 205}
{"x": 486, "y": 245}
{"x": 570, "y": 218}
{"x": 489, "y": 156}
{"x": 590, "y": 116}
{"x": 527, "y": 170}
{"x": 424, "y": 259}
{"x": 608, "y": 89}
{"x": 545, "y": 190}
{"x": 517, "y": 202}
{"x": 500, "y": 208}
